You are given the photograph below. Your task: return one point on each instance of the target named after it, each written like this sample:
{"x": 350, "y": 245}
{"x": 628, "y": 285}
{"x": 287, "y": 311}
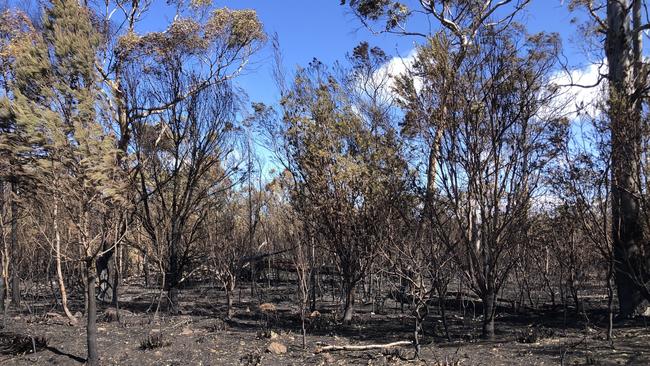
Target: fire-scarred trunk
{"x": 625, "y": 124}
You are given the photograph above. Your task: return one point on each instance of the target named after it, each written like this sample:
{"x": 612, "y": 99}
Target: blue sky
{"x": 326, "y": 30}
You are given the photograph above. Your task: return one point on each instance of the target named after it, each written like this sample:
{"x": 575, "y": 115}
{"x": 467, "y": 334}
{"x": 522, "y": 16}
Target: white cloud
{"x": 384, "y": 78}
{"x": 580, "y": 90}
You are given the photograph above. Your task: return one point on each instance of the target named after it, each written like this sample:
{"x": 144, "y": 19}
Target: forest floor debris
{"x": 139, "y": 339}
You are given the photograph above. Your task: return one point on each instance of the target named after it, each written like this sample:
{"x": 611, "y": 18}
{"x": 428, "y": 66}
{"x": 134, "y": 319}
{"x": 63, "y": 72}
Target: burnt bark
{"x": 174, "y": 275}
{"x": 348, "y": 310}
{"x": 91, "y": 316}
{"x": 3, "y": 282}
{"x": 489, "y": 311}
{"x": 625, "y": 125}
{"x": 106, "y": 275}
{"x": 229, "y": 309}
{"x": 2, "y": 294}
{"x": 15, "y": 279}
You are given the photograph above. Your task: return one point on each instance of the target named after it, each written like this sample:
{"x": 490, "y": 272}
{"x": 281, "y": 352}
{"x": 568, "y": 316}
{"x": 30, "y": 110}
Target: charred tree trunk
{"x": 173, "y": 277}
{"x": 145, "y": 269}
{"x": 416, "y": 337}
{"x": 118, "y": 278}
{"x": 420, "y": 313}
{"x": 125, "y": 263}
{"x": 172, "y": 294}
{"x": 229, "y": 310}
{"x": 625, "y": 124}
{"x": 610, "y": 300}
{"x": 349, "y": 289}
{"x": 3, "y": 282}
{"x": 15, "y": 279}
{"x": 489, "y": 311}
{"x": 302, "y": 324}
{"x": 3, "y": 308}
{"x": 443, "y": 314}
{"x": 91, "y": 315}
{"x": 105, "y": 275}
{"x": 314, "y": 272}
{"x": 229, "y": 287}
{"x": 2, "y": 294}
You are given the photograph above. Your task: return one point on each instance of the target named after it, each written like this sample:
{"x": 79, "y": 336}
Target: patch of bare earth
{"x": 201, "y": 337}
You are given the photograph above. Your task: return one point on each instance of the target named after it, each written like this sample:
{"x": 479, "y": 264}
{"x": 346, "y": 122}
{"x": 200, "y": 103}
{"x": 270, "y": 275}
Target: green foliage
{"x": 53, "y": 105}
{"x": 73, "y": 42}
{"x": 224, "y": 31}
{"x": 347, "y": 169}
{"x": 394, "y": 13}
{"x": 334, "y": 148}
{"x": 241, "y": 27}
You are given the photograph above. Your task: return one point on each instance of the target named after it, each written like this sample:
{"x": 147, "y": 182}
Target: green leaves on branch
{"x": 224, "y": 31}
{"x": 54, "y": 102}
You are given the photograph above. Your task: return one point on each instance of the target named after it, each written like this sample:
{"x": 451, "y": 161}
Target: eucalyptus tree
{"x": 478, "y": 131}
{"x": 215, "y": 44}
{"x": 183, "y": 165}
{"x": 346, "y": 170}
{"x": 178, "y": 84}
{"x": 459, "y": 24}
{"x": 623, "y": 24}
{"x": 500, "y": 135}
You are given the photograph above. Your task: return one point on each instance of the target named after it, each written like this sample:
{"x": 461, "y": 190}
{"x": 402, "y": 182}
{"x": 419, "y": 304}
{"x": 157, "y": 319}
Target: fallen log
{"x": 364, "y": 347}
